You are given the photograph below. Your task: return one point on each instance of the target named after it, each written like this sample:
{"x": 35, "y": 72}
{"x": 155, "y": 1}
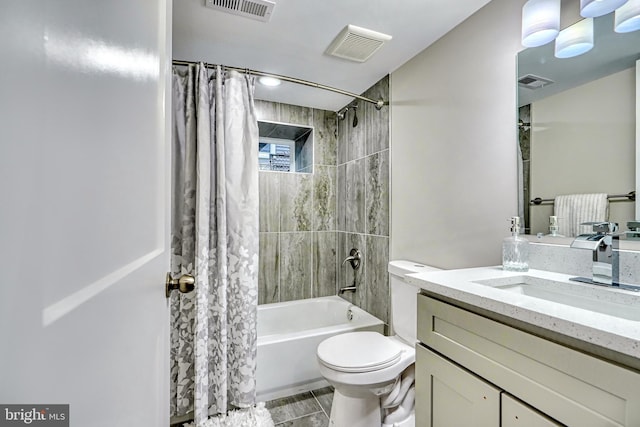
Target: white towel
{"x": 574, "y": 209}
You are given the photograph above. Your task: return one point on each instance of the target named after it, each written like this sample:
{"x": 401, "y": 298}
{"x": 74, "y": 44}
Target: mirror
{"x": 577, "y": 125}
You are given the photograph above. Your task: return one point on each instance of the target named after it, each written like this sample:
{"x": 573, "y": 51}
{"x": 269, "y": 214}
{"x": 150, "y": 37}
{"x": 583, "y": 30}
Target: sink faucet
{"x": 604, "y": 242}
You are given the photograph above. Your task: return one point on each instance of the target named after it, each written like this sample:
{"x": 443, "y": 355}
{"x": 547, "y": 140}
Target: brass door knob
{"x": 185, "y": 284}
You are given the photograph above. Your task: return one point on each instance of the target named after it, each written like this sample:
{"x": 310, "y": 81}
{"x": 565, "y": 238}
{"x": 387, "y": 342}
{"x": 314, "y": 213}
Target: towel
{"x": 574, "y": 209}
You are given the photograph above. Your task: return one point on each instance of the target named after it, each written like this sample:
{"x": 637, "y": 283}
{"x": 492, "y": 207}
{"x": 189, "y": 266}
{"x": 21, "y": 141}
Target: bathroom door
{"x": 84, "y": 196}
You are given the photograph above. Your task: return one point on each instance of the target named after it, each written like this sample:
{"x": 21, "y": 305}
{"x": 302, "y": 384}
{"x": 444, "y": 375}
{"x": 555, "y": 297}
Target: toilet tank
{"x": 403, "y": 298}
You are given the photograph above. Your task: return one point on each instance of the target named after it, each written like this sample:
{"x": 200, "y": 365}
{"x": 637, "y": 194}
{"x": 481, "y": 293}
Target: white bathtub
{"x": 288, "y": 336}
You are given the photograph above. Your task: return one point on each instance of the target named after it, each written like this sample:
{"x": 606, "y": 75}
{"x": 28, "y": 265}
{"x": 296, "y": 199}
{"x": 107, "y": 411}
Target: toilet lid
{"x": 358, "y": 352}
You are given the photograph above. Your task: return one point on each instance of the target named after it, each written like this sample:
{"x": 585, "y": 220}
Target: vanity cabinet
{"x": 472, "y": 370}
{"x": 453, "y": 396}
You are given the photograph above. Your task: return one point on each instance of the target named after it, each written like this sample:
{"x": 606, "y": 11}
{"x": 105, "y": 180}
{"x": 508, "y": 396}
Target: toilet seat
{"x": 359, "y": 352}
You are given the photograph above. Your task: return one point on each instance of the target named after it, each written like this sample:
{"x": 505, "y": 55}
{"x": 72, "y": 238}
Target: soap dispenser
{"x": 515, "y": 249}
{"x": 554, "y": 227}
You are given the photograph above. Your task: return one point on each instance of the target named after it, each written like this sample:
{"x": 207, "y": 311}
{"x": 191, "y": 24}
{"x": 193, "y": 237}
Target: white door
{"x": 84, "y": 194}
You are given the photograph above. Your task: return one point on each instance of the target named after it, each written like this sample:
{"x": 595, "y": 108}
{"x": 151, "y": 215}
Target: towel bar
{"x": 629, "y": 197}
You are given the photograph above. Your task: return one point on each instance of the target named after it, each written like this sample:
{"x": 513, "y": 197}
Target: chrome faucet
{"x": 354, "y": 259}
{"x": 604, "y": 242}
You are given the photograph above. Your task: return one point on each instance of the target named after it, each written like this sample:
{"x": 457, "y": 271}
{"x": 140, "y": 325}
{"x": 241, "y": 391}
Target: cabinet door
{"x": 452, "y": 396}
{"x": 517, "y": 414}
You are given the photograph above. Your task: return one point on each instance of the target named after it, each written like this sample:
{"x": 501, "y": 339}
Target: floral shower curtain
{"x": 215, "y": 238}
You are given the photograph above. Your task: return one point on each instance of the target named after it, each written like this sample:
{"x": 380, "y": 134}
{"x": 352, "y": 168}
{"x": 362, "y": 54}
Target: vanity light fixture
{"x": 627, "y": 18}
{"x": 540, "y": 22}
{"x": 593, "y": 8}
{"x": 269, "y": 81}
{"x": 575, "y": 40}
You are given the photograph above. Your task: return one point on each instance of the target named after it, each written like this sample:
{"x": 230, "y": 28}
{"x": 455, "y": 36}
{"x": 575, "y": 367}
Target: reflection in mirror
{"x": 285, "y": 148}
{"x": 577, "y": 130}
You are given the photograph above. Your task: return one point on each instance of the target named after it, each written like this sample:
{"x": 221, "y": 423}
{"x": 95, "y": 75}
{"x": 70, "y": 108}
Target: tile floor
{"x": 310, "y": 409}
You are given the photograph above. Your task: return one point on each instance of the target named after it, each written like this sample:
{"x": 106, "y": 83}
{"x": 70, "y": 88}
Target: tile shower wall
{"x": 363, "y": 202}
{"x": 298, "y": 214}
{"x": 310, "y": 222}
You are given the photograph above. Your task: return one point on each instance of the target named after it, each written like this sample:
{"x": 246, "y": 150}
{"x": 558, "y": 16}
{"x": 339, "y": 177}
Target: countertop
{"x": 608, "y": 332}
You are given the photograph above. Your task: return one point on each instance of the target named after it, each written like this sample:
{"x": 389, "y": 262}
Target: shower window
{"x": 285, "y": 148}
{"x": 277, "y": 155}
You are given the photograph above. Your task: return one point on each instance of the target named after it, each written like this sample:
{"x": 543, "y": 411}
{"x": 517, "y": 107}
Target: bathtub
{"x": 288, "y": 335}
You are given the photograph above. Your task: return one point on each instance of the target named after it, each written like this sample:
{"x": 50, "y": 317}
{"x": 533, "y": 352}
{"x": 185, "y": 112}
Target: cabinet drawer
{"x": 572, "y": 387}
{"x": 516, "y": 414}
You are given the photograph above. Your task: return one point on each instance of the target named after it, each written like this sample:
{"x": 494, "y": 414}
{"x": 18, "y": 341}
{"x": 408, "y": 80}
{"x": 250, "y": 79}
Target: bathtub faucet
{"x": 353, "y": 258}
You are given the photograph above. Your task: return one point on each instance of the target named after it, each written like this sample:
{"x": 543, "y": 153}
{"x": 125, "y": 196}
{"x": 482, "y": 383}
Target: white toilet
{"x": 370, "y": 371}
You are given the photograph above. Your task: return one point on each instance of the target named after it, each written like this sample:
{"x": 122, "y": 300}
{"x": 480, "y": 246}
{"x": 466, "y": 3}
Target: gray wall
{"x": 454, "y": 136}
{"x": 310, "y": 222}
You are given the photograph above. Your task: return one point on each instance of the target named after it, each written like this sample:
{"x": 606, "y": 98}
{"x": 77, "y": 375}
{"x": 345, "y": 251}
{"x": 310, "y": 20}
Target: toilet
{"x": 373, "y": 374}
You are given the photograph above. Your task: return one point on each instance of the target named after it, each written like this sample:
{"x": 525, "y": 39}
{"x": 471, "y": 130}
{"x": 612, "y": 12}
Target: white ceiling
{"x": 293, "y": 42}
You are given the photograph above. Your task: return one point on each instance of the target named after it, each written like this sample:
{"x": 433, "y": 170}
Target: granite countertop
{"x": 615, "y": 330}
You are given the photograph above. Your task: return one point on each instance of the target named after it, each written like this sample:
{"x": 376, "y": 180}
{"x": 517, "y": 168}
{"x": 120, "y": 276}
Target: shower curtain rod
{"x": 378, "y": 104}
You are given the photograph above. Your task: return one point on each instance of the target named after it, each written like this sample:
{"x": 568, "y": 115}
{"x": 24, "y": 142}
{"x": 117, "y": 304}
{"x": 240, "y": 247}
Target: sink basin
{"x": 605, "y": 300}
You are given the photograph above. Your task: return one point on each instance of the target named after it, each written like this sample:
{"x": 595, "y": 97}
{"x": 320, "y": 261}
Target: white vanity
{"x": 525, "y": 349}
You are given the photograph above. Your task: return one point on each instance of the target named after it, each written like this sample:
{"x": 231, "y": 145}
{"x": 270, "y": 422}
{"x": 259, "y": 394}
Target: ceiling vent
{"x": 533, "y": 82}
{"x": 254, "y": 9}
{"x": 357, "y": 44}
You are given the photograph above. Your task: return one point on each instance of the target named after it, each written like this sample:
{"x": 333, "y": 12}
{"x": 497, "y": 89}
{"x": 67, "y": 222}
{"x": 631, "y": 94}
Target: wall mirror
{"x": 577, "y": 125}
{"x": 285, "y": 148}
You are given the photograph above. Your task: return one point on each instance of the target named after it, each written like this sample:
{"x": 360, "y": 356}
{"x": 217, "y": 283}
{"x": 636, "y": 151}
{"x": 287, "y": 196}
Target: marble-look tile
{"x": 356, "y": 142}
{"x": 296, "y": 115}
{"x": 324, "y": 198}
{"x": 343, "y": 140}
{"x": 269, "y": 271}
{"x": 289, "y": 408}
{"x": 295, "y": 202}
{"x": 269, "y": 210}
{"x": 304, "y": 152}
{"x": 377, "y": 121}
{"x": 325, "y": 398}
{"x": 347, "y": 276}
{"x": 295, "y": 266}
{"x": 341, "y": 197}
{"x": 319, "y": 419}
{"x": 377, "y": 278}
{"x": 324, "y": 264}
{"x": 325, "y": 137}
{"x": 266, "y": 110}
{"x": 355, "y": 197}
{"x": 377, "y": 193}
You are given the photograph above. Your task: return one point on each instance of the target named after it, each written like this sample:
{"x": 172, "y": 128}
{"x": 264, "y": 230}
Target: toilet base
{"x": 355, "y": 411}
{"x": 408, "y": 422}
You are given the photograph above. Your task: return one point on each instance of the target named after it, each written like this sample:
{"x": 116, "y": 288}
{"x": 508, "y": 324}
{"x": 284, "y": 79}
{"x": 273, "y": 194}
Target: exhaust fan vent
{"x": 254, "y": 9}
{"x": 357, "y": 44}
{"x": 533, "y": 82}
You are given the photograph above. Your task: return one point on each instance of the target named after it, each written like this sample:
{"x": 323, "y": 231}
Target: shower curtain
{"x": 215, "y": 238}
